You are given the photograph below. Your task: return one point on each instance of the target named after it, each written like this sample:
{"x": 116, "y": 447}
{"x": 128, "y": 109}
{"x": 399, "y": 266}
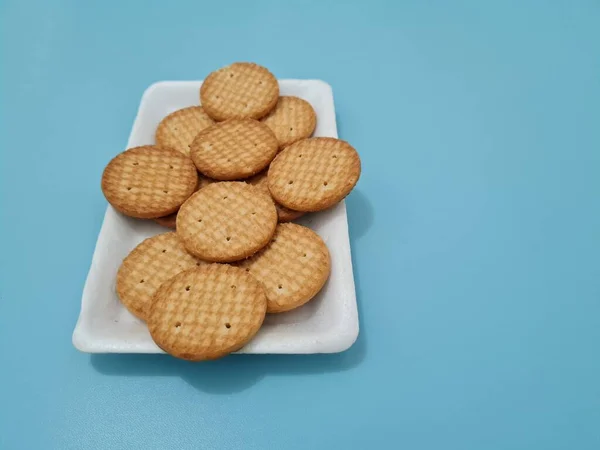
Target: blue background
{"x": 474, "y": 227}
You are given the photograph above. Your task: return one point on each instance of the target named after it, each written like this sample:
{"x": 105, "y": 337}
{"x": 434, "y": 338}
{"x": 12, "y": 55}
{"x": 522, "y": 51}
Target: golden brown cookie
{"x": 226, "y": 221}
{"x": 207, "y": 313}
{"x": 291, "y": 120}
{"x": 167, "y": 221}
{"x": 292, "y": 268}
{"x": 178, "y": 129}
{"x": 151, "y": 263}
{"x": 284, "y": 214}
{"x": 240, "y": 90}
{"x": 314, "y": 174}
{"x": 148, "y": 182}
{"x": 234, "y": 149}
{"x": 170, "y": 220}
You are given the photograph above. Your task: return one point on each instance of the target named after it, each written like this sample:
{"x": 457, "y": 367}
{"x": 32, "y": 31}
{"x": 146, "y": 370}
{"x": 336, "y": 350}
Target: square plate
{"x": 326, "y": 324}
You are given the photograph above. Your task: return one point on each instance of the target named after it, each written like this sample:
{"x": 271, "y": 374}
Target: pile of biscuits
{"x": 229, "y": 176}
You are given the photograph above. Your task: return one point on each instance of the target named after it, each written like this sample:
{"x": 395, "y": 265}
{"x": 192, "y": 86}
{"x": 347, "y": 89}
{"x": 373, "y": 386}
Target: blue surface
{"x": 475, "y": 225}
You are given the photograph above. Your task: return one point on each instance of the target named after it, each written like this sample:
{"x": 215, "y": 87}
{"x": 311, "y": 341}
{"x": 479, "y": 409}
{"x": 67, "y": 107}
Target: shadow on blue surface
{"x": 360, "y": 219}
{"x": 232, "y": 374}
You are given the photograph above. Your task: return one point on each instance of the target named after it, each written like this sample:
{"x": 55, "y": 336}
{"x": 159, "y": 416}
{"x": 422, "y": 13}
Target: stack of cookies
{"x": 229, "y": 176}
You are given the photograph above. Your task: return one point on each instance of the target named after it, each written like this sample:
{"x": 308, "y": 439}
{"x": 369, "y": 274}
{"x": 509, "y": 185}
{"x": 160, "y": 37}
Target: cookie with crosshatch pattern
{"x": 207, "y": 312}
{"x": 240, "y": 90}
{"x": 314, "y": 174}
{"x": 291, "y": 120}
{"x": 154, "y": 261}
{"x": 178, "y": 129}
{"x": 170, "y": 221}
{"x": 226, "y": 221}
{"x": 284, "y": 214}
{"x": 234, "y": 149}
{"x": 292, "y": 268}
{"x": 167, "y": 221}
{"x": 149, "y": 181}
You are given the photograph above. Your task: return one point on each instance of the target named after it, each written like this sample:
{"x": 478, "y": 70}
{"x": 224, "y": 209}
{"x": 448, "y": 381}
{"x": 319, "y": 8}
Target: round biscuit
{"x": 283, "y": 214}
{"x": 291, "y": 120}
{"x": 149, "y": 181}
{"x": 207, "y": 313}
{"x": 226, "y": 221}
{"x": 170, "y": 220}
{"x": 240, "y": 90}
{"x": 234, "y": 149}
{"x": 292, "y": 268}
{"x": 314, "y": 174}
{"x": 150, "y": 264}
{"x": 167, "y": 221}
{"x": 178, "y": 129}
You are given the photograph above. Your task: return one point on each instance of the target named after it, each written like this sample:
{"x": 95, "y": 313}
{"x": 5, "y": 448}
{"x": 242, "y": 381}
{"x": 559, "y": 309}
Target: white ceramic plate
{"x": 327, "y": 324}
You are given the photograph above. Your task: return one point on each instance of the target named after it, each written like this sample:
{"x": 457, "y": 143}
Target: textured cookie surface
{"x": 167, "y": 221}
{"x": 226, "y": 221}
{"x": 292, "y": 268}
{"x": 150, "y": 264}
{"x": 208, "y": 312}
{"x": 314, "y": 174}
{"x": 149, "y": 181}
{"x": 240, "y": 90}
{"x": 284, "y": 214}
{"x": 234, "y": 149}
{"x": 171, "y": 220}
{"x": 291, "y": 120}
{"x": 178, "y": 129}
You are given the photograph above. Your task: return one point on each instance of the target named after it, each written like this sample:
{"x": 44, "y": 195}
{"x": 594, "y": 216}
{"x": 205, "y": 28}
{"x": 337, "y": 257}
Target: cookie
{"x": 226, "y": 221}
{"x": 167, "y": 221}
{"x": 291, "y": 120}
{"x": 292, "y": 268}
{"x": 234, "y": 149}
{"x": 148, "y": 182}
{"x": 314, "y": 174}
{"x": 170, "y": 220}
{"x": 150, "y": 264}
{"x": 178, "y": 129}
{"x": 207, "y": 313}
{"x": 204, "y": 181}
{"x": 240, "y": 90}
{"x": 284, "y": 214}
